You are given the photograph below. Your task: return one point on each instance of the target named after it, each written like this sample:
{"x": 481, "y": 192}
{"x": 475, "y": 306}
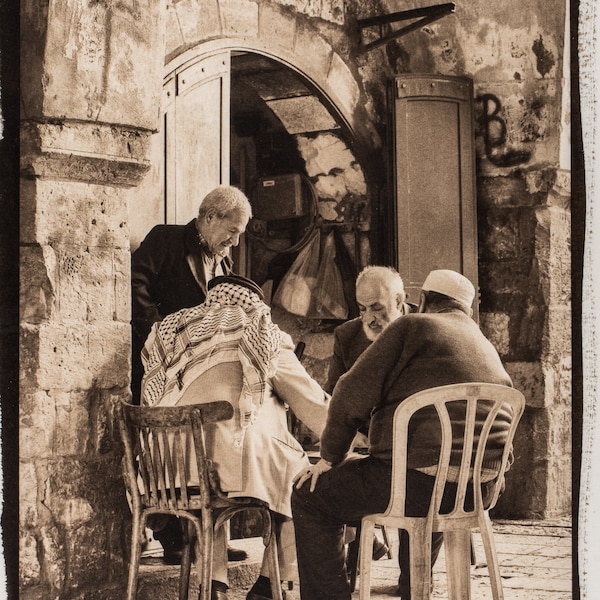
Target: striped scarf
{"x": 233, "y": 324}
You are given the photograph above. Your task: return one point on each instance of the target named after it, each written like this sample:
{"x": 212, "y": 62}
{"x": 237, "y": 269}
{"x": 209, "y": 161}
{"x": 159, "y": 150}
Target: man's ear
{"x": 400, "y": 300}
{"x": 422, "y": 302}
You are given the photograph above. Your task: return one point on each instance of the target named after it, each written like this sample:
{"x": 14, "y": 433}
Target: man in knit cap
{"x": 440, "y": 345}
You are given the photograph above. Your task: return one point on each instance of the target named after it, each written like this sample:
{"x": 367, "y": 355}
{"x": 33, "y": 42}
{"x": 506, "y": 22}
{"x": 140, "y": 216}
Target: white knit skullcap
{"x": 450, "y": 283}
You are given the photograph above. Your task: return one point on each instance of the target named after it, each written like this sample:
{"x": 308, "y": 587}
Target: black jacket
{"x": 161, "y": 278}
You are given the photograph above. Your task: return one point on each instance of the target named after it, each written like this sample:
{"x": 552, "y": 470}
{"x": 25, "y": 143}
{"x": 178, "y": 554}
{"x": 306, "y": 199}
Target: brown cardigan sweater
{"x": 416, "y": 352}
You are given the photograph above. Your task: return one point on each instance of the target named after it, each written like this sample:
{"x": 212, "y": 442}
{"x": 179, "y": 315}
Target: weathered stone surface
{"x": 528, "y": 378}
{"x": 85, "y": 152}
{"x": 38, "y": 288}
{"x": 64, "y": 357}
{"x": 107, "y": 57}
{"x": 495, "y": 328}
{"x": 239, "y": 18}
{"x": 277, "y": 24}
{"x": 74, "y": 214}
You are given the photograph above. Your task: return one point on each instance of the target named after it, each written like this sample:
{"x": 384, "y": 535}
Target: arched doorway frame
{"x": 345, "y": 112}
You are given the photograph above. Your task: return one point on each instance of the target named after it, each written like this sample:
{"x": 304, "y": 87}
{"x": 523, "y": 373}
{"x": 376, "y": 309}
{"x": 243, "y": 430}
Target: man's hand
{"x": 313, "y": 473}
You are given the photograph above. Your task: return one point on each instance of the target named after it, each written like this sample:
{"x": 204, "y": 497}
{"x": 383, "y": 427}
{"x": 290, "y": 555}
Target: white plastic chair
{"x": 458, "y": 524}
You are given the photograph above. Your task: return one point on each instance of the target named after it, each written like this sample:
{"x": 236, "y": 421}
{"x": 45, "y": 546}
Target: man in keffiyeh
{"x": 229, "y": 349}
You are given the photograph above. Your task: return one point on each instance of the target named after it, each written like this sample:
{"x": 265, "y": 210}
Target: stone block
{"x": 73, "y": 426}
{"x": 528, "y": 378}
{"x": 174, "y": 39}
{"x": 29, "y": 566}
{"x": 37, "y": 425}
{"x": 317, "y": 53}
{"x": 276, "y": 25}
{"x": 85, "y": 152}
{"x": 239, "y": 18}
{"x": 510, "y": 190}
{"x": 342, "y": 82}
{"x": 507, "y": 234}
{"x": 75, "y": 214}
{"x": 66, "y": 357}
{"x": 38, "y": 284}
{"x": 108, "y": 58}
{"x": 557, "y": 341}
{"x": 510, "y": 277}
{"x": 197, "y": 20}
{"x": 94, "y": 285}
{"x": 495, "y": 328}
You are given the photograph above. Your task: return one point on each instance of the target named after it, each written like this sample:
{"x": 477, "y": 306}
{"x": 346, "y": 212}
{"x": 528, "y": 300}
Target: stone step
{"x": 157, "y": 580}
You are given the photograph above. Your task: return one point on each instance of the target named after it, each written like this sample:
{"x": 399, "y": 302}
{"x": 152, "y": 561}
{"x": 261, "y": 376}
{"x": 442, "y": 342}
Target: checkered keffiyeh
{"x": 232, "y": 324}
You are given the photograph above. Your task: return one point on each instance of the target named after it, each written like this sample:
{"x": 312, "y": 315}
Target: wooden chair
{"x": 458, "y": 524}
{"x": 164, "y": 448}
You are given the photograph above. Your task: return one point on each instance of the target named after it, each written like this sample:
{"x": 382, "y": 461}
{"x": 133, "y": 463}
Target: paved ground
{"x": 535, "y": 564}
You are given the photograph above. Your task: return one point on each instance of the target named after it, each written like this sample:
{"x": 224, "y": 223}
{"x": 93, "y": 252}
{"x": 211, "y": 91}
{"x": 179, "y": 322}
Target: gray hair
{"x": 223, "y": 201}
{"x": 386, "y": 277}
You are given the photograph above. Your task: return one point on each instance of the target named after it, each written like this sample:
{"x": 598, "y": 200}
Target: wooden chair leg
{"x": 205, "y": 537}
{"x": 273, "y": 562}
{"x": 137, "y": 528}
{"x": 458, "y": 565}
{"x": 189, "y": 538}
{"x": 365, "y": 556}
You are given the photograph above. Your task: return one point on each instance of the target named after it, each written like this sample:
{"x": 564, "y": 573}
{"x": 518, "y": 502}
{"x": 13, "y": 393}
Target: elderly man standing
{"x": 441, "y": 345}
{"x": 170, "y": 271}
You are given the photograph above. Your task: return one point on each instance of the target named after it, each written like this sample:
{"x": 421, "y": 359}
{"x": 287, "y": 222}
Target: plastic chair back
{"x": 475, "y": 423}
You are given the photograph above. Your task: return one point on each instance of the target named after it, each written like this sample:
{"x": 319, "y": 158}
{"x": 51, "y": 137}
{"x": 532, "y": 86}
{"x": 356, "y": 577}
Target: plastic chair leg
{"x": 458, "y": 564}
{"x": 420, "y": 563}
{"x": 487, "y": 536}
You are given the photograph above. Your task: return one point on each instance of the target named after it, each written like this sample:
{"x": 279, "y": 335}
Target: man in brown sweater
{"x": 441, "y": 345}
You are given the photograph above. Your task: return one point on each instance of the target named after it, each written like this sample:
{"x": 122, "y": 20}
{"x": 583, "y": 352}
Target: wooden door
{"x": 190, "y": 155}
{"x": 434, "y": 178}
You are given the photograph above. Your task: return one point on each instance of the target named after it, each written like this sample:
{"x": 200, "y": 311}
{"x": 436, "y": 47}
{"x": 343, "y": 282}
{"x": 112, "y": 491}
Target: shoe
{"x": 379, "y": 549}
{"x": 173, "y": 555}
{"x": 236, "y": 554}
{"x": 261, "y": 590}
{"x": 218, "y": 591}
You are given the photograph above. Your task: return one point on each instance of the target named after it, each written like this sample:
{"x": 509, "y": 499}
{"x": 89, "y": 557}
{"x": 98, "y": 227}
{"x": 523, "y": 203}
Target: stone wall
{"x": 90, "y": 88}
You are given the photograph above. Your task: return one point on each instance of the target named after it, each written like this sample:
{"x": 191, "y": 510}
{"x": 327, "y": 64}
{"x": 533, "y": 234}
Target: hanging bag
{"x": 295, "y": 292}
{"x": 330, "y": 300}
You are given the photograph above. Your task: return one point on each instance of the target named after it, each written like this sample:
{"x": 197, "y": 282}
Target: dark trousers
{"x": 343, "y": 496}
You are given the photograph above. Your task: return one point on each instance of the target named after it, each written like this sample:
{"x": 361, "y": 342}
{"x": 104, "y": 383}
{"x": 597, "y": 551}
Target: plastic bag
{"x": 330, "y": 298}
{"x": 295, "y": 292}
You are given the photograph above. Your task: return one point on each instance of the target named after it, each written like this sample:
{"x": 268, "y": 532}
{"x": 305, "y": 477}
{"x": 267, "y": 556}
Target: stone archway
{"x": 277, "y": 33}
